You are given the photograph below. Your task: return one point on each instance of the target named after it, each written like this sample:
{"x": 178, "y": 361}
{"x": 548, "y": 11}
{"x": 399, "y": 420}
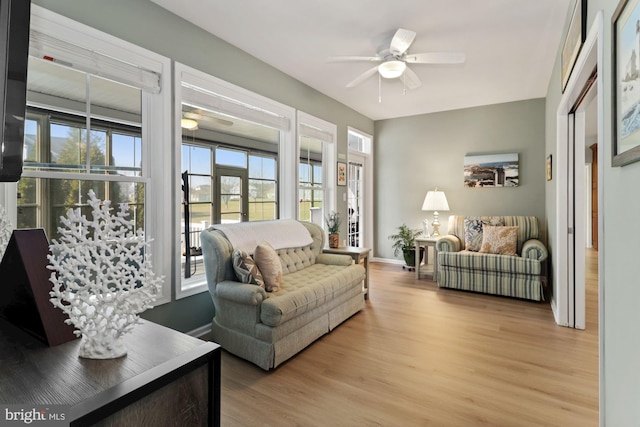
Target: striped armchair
{"x": 514, "y": 276}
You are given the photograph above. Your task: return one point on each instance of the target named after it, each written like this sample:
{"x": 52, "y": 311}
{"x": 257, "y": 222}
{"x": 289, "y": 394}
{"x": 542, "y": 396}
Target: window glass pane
{"x": 199, "y": 189}
{"x": 55, "y": 87}
{"x": 262, "y": 211}
{"x": 305, "y": 173}
{"x": 57, "y": 196}
{"x": 262, "y": 167}
{"x": 126, "y": 154}
{"x": 261, "y": 191}
{"x": 231, "y": 157}
{"x": 232, "y": 217}
{"x": 196, "y": 160}
{"x": 317, "y": 174}
{"x": 30, "y": 140}
{"x": 200, "y": 215}
{"x": 69, "y": 143}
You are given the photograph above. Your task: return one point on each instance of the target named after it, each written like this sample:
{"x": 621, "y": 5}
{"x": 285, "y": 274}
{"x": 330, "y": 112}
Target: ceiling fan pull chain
{"x": 404, "y": 84}
{"x": 379, "y": 89}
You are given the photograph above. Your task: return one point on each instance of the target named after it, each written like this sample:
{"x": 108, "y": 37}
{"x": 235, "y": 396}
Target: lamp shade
{"x": 391, "y": 69}
{"x": 435, "y": 201}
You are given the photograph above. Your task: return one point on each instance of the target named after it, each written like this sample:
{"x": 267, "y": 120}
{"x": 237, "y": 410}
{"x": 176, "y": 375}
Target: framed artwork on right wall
{"x": 626, "y": 84}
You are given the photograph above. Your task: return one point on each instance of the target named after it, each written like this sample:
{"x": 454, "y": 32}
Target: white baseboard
{"x": 201, "y": 331}
{"x": 388, "y": 260}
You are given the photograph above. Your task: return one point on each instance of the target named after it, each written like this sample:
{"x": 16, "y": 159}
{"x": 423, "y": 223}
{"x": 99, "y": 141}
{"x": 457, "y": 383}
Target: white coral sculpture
{"x": 5, "y": 231}
{"x": 104, "y": 277}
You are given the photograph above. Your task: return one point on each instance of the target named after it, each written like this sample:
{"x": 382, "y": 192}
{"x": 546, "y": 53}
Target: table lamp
{"x": 435, "y": 201}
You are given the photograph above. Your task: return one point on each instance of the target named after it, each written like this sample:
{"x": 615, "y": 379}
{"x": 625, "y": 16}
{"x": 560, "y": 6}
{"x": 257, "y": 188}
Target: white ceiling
{"x": 510, "y": 46}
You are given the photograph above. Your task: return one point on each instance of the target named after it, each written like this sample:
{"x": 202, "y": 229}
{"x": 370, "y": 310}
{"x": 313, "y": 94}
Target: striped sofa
{"x": 514, "y": 276}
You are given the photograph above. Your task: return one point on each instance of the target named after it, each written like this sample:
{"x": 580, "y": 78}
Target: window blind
{"x": 69, "y": 55}
{"x": 313, "y": 132}
{"x": 222, "y": 104}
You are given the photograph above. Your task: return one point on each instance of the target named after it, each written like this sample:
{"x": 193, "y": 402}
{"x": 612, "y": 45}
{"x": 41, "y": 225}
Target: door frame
{"x": 241, "y": 173}
{"x": 591, "y": 56}
{"x": 367, "y": 189}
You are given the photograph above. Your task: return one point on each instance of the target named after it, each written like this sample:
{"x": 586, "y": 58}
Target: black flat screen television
{"x": 15, "y": 16}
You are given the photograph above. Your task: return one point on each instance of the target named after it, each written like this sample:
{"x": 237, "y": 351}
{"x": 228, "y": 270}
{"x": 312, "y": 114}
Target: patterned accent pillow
{"x": 268, "y": 262}
{"x": 473, "y": 231}
{"x": 246, "y": 269}
{"x": 499, "y": 240}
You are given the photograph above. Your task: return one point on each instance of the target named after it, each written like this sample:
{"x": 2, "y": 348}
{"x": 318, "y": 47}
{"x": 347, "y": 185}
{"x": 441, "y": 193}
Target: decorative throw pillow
{"x": 499, "y": 240}
{"x": 473, "y": 231}
{"x": 246, "y": 269}
{"x": 268, "y": 262}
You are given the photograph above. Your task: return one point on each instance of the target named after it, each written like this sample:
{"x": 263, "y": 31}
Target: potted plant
{"x": 404, "y": 241}
{"x": 333, "y": 228}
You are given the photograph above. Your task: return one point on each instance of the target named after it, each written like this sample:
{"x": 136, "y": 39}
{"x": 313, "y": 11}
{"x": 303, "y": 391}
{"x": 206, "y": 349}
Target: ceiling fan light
{"x": 189, "y": 124}
{"x": 392, "y": 69}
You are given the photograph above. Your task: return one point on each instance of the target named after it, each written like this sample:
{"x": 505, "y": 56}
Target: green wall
{"x": 620, "y": 346}
{"x": 145, "y": 24}
{"x": 416, "y": 154}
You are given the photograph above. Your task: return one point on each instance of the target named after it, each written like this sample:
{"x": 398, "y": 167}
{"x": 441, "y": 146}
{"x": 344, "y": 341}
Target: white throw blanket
{"x": 281, "y": 233}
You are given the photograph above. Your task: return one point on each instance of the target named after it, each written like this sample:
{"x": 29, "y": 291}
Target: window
{"x": 311, "y": 190}
{"x": 56, "y": 144}
{"x": 316, "y": 168}
{"x": 93, "y": 114}
{"x": 263, "y": 187}
{"x": 232, "y": 152}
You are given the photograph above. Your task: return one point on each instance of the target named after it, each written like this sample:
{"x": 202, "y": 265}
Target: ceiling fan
{"x": 393, "y": 61}
{"x": 191, "y": 118}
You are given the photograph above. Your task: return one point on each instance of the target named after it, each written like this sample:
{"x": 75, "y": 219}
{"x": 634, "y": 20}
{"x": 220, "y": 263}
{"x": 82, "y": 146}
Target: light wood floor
{"x": 423, "y": 356}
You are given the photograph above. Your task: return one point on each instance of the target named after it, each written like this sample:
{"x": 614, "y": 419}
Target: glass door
{"x": 355, "y": 199}
{"x": 232, "y": 189}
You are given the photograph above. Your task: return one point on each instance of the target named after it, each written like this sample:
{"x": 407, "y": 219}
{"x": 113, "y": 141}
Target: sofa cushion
{"x": 307, "y": 289}
{"x": 269, "y": 264}
{"x": 246, "y": 269}
{"x": 499, "y": 240}
{"x": 467, "y": 260}
{"x": 473, "y": 231}
{"x": 528, "y": 227}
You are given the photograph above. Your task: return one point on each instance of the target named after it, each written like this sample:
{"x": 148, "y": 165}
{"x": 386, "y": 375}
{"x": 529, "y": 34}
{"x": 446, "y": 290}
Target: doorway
{"x": 232, "y": 203}
{"x": 569, "y": 240}
{"x": 355, "y": 199}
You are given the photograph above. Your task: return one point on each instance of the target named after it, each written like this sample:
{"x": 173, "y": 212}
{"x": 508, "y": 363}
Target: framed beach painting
{"x": 626, "y": 83}
{"x": 491, "y": 170}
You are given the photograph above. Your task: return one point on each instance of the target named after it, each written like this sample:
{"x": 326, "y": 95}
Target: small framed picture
{"x": 549, "y": 167}
{"x": 342, "y": 174}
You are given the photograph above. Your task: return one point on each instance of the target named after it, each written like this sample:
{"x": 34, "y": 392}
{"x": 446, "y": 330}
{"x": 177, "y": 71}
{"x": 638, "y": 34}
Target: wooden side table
{"x": 357, "y": 254}
{"x": 426, "y": 242}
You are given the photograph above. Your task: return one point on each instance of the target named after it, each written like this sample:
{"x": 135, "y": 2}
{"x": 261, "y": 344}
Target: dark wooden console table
{"x": 166, "y": 378}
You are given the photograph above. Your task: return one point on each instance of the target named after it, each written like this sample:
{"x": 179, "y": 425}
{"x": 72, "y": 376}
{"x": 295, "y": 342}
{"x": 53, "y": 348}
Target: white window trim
{"x": 287, "y": 198}
{"x": 156, "y": 127}
{"x": 367, "y": 237}
{"x": 327, "y": 132}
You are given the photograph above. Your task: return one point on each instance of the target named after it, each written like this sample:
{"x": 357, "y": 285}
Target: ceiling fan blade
{"x": 401, "y": 41}
{"x": 362, "y": 77}
{"x": 354, "y": 59}
{"x": 436, "y": 58}
{"x": 411, "y": 79}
